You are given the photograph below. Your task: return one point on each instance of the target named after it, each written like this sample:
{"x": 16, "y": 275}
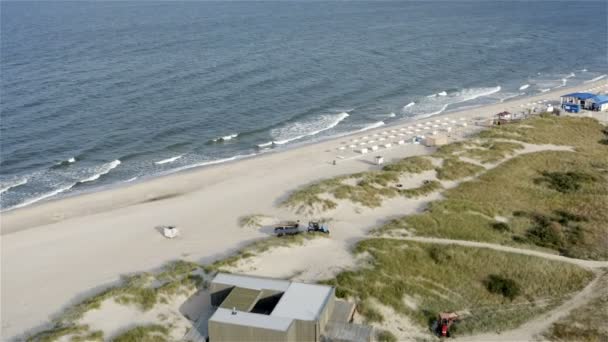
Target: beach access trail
{"x": 57, "y": 253}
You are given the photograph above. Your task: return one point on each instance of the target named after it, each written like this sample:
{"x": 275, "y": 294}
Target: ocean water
{"x": 95, "y": 94}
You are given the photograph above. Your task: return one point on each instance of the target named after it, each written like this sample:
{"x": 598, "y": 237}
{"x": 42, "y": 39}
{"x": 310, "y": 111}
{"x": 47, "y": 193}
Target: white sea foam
{"x": 391, "y": 115}
{"x": 72, "y": 160}
{"x": 43, "y": 196}
{"x": 168, "y": 160}
{"x": 130, "y": 180}
{"x": 437, "y": 104}
{"x": 372, "y": 126}
{"x": 443, "y": 93}
{"x": 524, "y": 87}
{"x": 302, "y": 129}
{"x": 409, "y": 105}
{"x": 510, "y": 96}
{"x": 266, "y": 144}
{"x": 545, "y": 90}
{"x": 226, "y": 137}
{"x": 596, "y": 79}
{"x": 584, "y": 70}
{"x": 104, "y": 169}
{"x": 6, "y": 187}
{"x": 213, "y": 162}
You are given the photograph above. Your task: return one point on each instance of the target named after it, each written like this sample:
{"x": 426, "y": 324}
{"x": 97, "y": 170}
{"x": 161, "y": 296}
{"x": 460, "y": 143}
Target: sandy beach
{"x": 57, "y": 252}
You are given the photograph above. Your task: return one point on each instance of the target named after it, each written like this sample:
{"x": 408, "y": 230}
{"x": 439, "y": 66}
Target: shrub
{"x": 385, "y": 336}
{"x": 454, "y": 168}
{"x": 565, "y": 182}
{"x": 503, "y": 286}
{"x": 148, "y": 333}
{"x": 501, "y": 227}
{"x": 545, "y": 232}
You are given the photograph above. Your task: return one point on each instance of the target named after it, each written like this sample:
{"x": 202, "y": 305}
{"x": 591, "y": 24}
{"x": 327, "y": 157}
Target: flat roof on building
{"x": 600, "y": 99}
{"x": 222, "y": 315}
{"x": 249, "y": 282}
{"x": 302, "y": 301}
{"x": 581, "y": 96}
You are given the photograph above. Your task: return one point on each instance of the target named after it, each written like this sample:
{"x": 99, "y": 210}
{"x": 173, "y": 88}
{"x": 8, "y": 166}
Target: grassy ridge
{"x": 369, "y": 190}
{"x": 554, "y": 199}
{"x": 454, "y": 278}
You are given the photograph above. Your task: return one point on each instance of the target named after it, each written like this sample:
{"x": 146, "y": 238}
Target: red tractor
{"x": 444, "y": 322}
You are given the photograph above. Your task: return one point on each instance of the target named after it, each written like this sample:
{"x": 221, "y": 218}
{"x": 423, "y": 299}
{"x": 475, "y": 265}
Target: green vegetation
{"x": 492, "y": 151}
{"x": 537, "y": 213}
{"x": 251, "y": 221}
{"x": 454, "y": 168}
{"x": 143, "y": 290}
{"x": 426, "y": 188}
{"x": 501, "y": 227}
{"x": 94, "y": 336}
{"x": 454, "y": 278}
{"x": 415, "y": 164}
{"x": 366, "y": 188}
{"x": 58, "y": 332}
{"x": 500, "y": 285}
{"x": 261, "y": 246}
{"x": 565, "y": 182}
{"x": 148, "y": 333}
{"x": 385, "y": 336}
{"x": 586, "y": 323}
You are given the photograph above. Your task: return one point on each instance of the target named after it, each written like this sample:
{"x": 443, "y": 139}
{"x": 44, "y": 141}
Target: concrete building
{"x": 264, "y": 309}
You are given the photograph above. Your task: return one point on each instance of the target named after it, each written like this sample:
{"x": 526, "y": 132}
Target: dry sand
{"x": 56, "y": 253}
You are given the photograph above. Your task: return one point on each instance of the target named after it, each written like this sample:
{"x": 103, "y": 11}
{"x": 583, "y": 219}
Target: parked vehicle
{"x": 316, "y": 226}
{"x": 444, "y": 322}
{"x": 287, "y": 228}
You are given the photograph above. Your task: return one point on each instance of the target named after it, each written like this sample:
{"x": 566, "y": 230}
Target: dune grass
{"x": 369, "y": 190}
{"x": 251, "y": 221}
{"x": 454, "y": 168}
{"x": 260, "y": 246}
{"x": 147, "y": 333}
{"x": 492, "y": 151}
{"x": 454, "y": 278}
{"x": 552, "y": 199}
{"x": 586, "y": 323}
{"x": 57, "y": 332}
{"x": 142, "y": 290}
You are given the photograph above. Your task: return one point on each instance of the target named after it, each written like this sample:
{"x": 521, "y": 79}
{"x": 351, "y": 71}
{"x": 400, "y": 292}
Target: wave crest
{"x": 104, "y": 169}
{"x": 302, "y": 129}
{"x": 168, "y": 160}
{"x": 7, "y": 187}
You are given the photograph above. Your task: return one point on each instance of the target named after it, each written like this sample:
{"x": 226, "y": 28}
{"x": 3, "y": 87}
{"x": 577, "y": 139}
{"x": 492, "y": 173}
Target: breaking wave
{"x": 392, "y": 115}
{"x": 43, "y": 196}
{"x": 104, "y": 169}
{"x": 435, "y": 104}
{"x": 6, "y": 188}
{"x": 266, "y": 144}
{"x": 372, "y": 126}
{"x": 524, "y": 87}
{"x": 213, "y": 162}
{"x": 302, "y": 129}
{"x": 409, "y": 105}
{"x": 225, "y": 138}
{"x": 168, "y": 160}
{"x": 596, "y": 79}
